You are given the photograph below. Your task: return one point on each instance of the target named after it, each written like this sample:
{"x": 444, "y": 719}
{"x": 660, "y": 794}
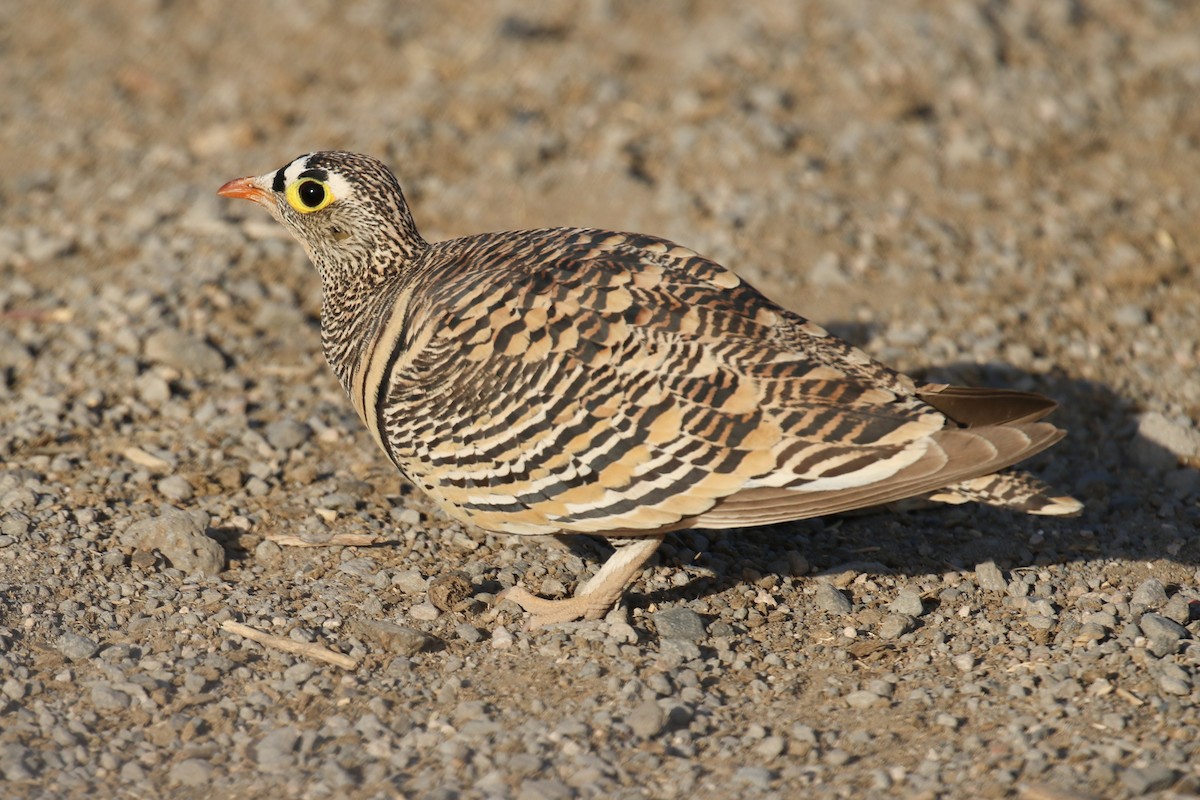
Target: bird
{"x": 586, "y": 381}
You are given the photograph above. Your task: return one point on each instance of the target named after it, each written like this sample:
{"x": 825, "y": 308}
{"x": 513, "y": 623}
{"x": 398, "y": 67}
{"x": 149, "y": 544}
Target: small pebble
{"x": 679, "y": 622}
{"x": 175, "y": 487}
{"x": 829, "y": 599}
{"x": 183, "y": 352}
{"x": 287, "y": 434}
{"x": 106, "y": 698}
{"x": 193, "y": 772}
{"x": 770, "y": 747}
{"x": 180, "y": 537}
{"x": 1150, "y": 593}
{"x": 646, "y": 720}
{"x": 275, "y": 752}
{"x": 861, "y": 698}
{"x": 947, "y": 721}
{"x": 501, "y": 638}
{"x": 76, "y": 647}
{"x": 1151, "y": 778}
{"x": 425, "y": 612}
{"x": 908, "y": 603}
{"x": 410, "y": 582}
{"x": 395, "y": 638}
{"x": 894, "y": 626}
{"x": 990, "y": 578}
{"x": 1163, "y": 635}
{"x": 468, "y": 633}
{"x": 755, "y": 777}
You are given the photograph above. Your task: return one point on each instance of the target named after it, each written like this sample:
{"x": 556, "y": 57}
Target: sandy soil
{"x": 990, "y": 192}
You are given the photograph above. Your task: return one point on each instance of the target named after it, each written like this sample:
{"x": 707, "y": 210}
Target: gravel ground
{"x": 993, "y": 192}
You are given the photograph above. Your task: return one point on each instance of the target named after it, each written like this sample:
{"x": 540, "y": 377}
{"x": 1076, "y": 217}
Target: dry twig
{"x": 306, "y": 649}
{"x": 335, "y": 540}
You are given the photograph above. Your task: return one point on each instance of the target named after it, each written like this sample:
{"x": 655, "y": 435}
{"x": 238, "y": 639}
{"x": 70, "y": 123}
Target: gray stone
{"x": 268, "y": 553}
{"x": 861, "y": 698}
{"x": 75, "y": 647}
{"x": 990, "y": 578}
{"x": 15, "y": 524}
{"x": 395, "y": 638}
{"x": 277, "y": 750}
{"x": 15, "y": 763}
{"x": 106, "y": 698}
{"x": 287, "y": 434}
{"x": 192, "y": 772}
{"x": 1150, "y": 778}
{"x": 894, "y": 626}
{"x": 543, "y": 789}
{"x": 770, "y": 747}
{"x": 299, "y": 672}
{"x": 175, "y": 487}
{"x": 152, "y": 389}
{"x": 425, "y": 612}
{"x": 757, "y": 777}
{"x": 132, "y": 772}
{"x": 1178, "y": 609}
{"x": 1163, "y": 635}
{"x": 1173, "y": 684}
{"x": 361, "y": 567}
{"x": 1150, "y": 594}
{"x": 678, "y": 622}
{"x": 829, "y": 599}
{"x": 468, "y": 633}
{"x": 1160, "y": 444}
{"x": 410, "y": 582}
{"x": 678, "y": 650}
{"x": 909, "y": 603}
{"x": 803, "y": 733}
{"x": 180, "y": 537}
{"x": 647, "y": 720}
{"x": 183, "y": 352}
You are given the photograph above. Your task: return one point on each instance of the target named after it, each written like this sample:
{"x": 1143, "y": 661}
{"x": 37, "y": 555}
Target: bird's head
{"x": 343, "y": 207}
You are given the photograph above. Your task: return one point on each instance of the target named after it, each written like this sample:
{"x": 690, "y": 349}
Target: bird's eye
{"x": 308, "y": 195}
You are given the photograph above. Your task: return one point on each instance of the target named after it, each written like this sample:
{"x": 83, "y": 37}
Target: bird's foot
{"x": 596, "y": 597}
{"x": 551, "y": 612}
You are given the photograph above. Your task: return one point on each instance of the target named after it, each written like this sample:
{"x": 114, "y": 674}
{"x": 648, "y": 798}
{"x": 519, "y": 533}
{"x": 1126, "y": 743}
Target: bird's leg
{"x": 596, "y": 597}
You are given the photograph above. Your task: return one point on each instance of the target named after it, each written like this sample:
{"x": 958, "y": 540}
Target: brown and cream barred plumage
{"x": 578, "y": 380}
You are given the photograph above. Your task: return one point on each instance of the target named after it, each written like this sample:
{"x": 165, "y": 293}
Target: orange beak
{"x": 245, "y": 189}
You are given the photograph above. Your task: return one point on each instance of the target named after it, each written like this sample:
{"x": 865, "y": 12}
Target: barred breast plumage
{"x": 579, "y": 380}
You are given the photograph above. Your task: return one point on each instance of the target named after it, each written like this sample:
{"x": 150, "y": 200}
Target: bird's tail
{"x": 1014, "y": 490}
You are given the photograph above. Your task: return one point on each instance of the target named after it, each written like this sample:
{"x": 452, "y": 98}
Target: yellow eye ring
{"x": 308, "y": 195}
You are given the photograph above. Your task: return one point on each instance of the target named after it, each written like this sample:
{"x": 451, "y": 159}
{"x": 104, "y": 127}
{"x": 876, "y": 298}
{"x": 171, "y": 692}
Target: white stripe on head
{"x": 339, "y": 187}
{"x": 291, "y": 173}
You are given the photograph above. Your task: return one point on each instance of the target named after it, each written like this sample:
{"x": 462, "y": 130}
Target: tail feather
{"x": 1014, "y": 490}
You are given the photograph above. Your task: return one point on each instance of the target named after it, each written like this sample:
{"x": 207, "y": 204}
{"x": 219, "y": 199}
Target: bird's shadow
{"x": 1141, "y": 504}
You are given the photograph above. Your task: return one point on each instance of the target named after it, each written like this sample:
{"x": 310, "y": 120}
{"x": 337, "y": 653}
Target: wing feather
{"x": 590, "y": 381}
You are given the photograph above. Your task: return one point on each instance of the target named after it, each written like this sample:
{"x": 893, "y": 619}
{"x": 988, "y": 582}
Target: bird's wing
{"x": 605, "y": 382}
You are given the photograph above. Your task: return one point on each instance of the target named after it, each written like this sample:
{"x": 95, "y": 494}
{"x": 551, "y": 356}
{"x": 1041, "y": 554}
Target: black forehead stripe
{"x": 277, "y": 185}
{"x": 319, "y": 174}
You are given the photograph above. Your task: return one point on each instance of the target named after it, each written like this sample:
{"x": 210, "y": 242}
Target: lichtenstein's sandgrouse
{"x": 585, "y": 381}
